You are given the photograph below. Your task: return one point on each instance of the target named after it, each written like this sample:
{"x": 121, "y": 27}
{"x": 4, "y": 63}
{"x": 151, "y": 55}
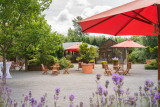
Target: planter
{"x": 129, "y": 65}
{"x": 148, "y": 62}
{"x": 87, "y": 68}
{"x": 115, "y": 64}
{"x": 34, "y": 68}
{"x": 103, "y": 65}
{"x": 92, "y": 64}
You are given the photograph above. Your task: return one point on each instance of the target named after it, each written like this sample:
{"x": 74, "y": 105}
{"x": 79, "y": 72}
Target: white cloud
{"x": 64, "y": 16}
{"x": 77, "y": 4}
{"x": 87, "y": 12}
{"x": 62, "y": 22}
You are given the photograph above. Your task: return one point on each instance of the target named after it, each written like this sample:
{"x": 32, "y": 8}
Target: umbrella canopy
{"x": 129, "y": 44}
{"x": 73, "y": 48}
{"x": 140, "y": 17}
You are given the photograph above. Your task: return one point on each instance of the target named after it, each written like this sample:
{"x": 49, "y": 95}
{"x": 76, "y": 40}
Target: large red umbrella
{"x": 140, "y": 17}
{"x": 128, "y": 44}
{"x": 73, "y": 48}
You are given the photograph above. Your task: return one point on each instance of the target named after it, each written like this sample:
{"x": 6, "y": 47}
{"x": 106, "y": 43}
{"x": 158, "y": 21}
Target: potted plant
{"x": 103, "y": 62}
{"x": 115, "y": 62}
{"x": 92, "y": 62}
{"x": 86, "y": 54}
{"x": 129, "y": 65}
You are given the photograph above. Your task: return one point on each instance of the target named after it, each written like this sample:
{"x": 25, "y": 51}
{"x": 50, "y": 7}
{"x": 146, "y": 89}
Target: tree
{"x": 14, "y": 14}
{"x": 27, "y": 43}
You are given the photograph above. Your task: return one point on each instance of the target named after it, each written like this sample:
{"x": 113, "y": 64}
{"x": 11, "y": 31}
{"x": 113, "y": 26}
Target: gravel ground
{"x": 78, "y": 83}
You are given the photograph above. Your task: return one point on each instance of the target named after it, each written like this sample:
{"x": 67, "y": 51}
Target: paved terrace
{"x": 78, "y": 83}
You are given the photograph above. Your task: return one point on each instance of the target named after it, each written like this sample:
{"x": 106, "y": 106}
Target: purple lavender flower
{"x": 81, "y": 104}
{"x": 71, "y": 105}
{"x": 42, "y": 99}
{"x": 155, "y": 88}
{"x": 107, "y": 83}
{"x": 15, "y": 104}
{"x": 120, "y": 99}
{"x": 146, "y": 88}
{"x": 98, "y": 76}
{"x": 140, "y": 88}
{"x": 32, "y": 101}
{"x": 11, "y": 102}
{"x": 25, "y": 98}
{"x": 23, "y": 105}
{"x": 57, "y": 91}
{"x": 30, "y": 94}
{"x": 115, "y": 78}
{"x": 127, "y": 91}
{"x": 105, "y": 92}
{"x": 100, "y": 89}
{"x": 131, "y": 101}
{"x": 64, "y": 97}
{"x": 157, "y": 96}
{"x": 71, "y": 97}
{"x": 40, "y": 105}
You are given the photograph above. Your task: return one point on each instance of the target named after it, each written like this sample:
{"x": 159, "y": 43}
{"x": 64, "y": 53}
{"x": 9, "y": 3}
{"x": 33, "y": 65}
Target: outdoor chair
{"x": 45, "y": 69}
{"x": 18, "y": 65}
{"x": 55, "y": 69}
{"x": 58, "y": 66}
{"x": 21, "y": 66}
{"x": 13, "y": 66}
{"x": 121, "y": 65}
{"x": 107, "y": 70}
{"x": 66, "y": 70}
{"x": 125, "y": 72}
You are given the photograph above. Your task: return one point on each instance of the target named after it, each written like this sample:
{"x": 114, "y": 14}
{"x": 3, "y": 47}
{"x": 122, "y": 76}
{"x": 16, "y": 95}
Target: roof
{"x": 69, "y": 44}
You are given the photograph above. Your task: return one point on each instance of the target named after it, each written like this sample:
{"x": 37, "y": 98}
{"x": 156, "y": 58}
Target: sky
{"x": 61, "y": 12}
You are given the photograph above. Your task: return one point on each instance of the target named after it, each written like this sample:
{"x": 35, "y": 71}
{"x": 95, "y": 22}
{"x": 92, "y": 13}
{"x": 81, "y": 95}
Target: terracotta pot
{"x": 87, "y": 68}
{"x": 103, "y": 65}
{"x": 148, "y": 62}
{"x": 92, "y": 64}
{"x": 129, "y": 65}
{"x": 115, "y": 64}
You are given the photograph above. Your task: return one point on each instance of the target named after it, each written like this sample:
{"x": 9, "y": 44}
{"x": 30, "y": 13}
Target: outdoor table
{"x": 8, "y": 64}
{"x": 54, "y": 70}
{"x": 118, "y": 69}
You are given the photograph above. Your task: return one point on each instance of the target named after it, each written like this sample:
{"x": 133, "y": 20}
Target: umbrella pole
{"x": 128, "y": 56}
{"x": 158, "y": 55}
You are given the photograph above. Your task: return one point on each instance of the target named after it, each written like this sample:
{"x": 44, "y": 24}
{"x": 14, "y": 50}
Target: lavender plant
{"x": 147, "y": 96}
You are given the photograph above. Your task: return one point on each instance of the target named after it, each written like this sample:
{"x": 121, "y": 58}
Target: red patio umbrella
{"x": 140, "y": 17}
{"x": 128, "y": 44}
{"x": 73, "y": 48}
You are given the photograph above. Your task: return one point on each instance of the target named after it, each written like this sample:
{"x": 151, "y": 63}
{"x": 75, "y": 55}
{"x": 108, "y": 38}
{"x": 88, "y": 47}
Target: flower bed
{"x": 147, "y": 96}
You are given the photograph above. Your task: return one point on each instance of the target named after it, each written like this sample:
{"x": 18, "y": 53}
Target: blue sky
{"x": 62, "y": 12}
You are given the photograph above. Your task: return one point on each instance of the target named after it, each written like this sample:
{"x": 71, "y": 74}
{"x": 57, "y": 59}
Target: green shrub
{"x": 34, "y": 62}
{"x": 63, "y": 62}
{"x": 91, "y": 61}
{"x": 153, "y": 65}
{"x": 103, "y": 62}
{"x": 68, "y": 57}
{"x": 44, "y": 59}
{"x": 86, "y": 53}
